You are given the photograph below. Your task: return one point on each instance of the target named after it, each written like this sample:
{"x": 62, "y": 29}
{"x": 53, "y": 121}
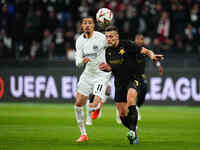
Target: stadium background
{"x": 38, "y": 76}
{"x": 37, "y": 39}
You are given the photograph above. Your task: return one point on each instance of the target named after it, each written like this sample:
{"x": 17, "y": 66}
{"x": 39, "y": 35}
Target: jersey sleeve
{"x": 133, "y": 47}
{"x": 79, "y": 54}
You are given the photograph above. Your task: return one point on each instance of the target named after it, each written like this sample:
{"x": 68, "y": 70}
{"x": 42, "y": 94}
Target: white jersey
{"x": 92, "y": 80}
{"x": 94, "y": 49}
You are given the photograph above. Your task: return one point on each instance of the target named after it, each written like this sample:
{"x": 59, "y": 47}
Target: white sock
{"x": 87, "y": 110}
{"x": 117, "y": 113}
{"x": 139, "y": 114}
{"x": 80, "y": 119}
{"x": 118, "y": 117}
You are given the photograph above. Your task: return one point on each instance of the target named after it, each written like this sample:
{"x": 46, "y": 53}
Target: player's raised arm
{"x": 151, "y": 55}
{"x": 139, "y": 40}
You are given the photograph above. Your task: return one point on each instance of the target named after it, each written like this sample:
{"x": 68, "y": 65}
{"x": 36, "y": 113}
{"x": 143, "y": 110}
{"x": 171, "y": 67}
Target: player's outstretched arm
{"x": 105, "y": 67}
{"x": 151, "y": 55}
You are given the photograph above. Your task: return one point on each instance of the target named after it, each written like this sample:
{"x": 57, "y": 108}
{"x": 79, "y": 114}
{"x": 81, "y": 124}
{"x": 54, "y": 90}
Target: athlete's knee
{"x": 78, "y": 104}
{"x": 80, "y": 100}
{"x": 132, "y": 97}
{"x": 132, "y": 93}
{"x": 123, "y": 110}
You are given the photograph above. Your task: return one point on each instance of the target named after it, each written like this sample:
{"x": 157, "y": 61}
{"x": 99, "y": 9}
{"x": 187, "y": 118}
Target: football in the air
{"x": 104, "y": 16}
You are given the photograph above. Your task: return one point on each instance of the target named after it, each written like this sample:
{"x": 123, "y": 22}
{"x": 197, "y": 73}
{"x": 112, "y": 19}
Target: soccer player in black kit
{"x": 121, "y": 60}
{"x": 141, "y": 81}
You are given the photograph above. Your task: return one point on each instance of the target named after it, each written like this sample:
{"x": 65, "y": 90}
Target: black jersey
{"x": 123, "y": 59}
{"x": 141, "y": 63}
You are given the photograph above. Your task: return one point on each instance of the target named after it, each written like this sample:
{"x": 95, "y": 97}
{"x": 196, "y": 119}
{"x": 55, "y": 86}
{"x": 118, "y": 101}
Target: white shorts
{"x": 95, "y": 84}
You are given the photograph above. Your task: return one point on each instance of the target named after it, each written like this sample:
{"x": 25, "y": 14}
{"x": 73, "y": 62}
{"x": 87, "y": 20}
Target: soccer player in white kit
{"x": 90, "y": 51}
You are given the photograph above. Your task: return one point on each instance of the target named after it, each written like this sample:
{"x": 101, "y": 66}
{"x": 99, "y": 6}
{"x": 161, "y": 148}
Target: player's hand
{"x": 161, "y": 70}
{"x": 86, "y": 60}
{"x": 157, "y": 57}
{"x": 105, "y": 67}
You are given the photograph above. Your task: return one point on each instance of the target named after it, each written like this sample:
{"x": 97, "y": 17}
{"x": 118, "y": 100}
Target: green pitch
{"x": 53, "y": 127}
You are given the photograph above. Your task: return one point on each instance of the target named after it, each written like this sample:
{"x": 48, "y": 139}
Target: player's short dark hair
{"x": 111, "y": 28}
{"x": 87, "y": 17}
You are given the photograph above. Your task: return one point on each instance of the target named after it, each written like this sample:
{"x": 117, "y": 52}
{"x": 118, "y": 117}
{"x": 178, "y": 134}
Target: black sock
{"x": 125, "y": 121}
{"x": 132, "y": 117}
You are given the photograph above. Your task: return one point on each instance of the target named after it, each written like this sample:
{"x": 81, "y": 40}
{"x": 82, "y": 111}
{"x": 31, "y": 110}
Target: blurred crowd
{"x": 32, "y": 29}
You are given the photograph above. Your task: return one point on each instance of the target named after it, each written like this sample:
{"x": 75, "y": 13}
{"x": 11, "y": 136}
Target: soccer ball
{"x": 104, "y": 16}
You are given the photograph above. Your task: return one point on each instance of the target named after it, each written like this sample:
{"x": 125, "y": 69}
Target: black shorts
{"x": 141, "y": 87}
{"x": 121, "y": 88}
